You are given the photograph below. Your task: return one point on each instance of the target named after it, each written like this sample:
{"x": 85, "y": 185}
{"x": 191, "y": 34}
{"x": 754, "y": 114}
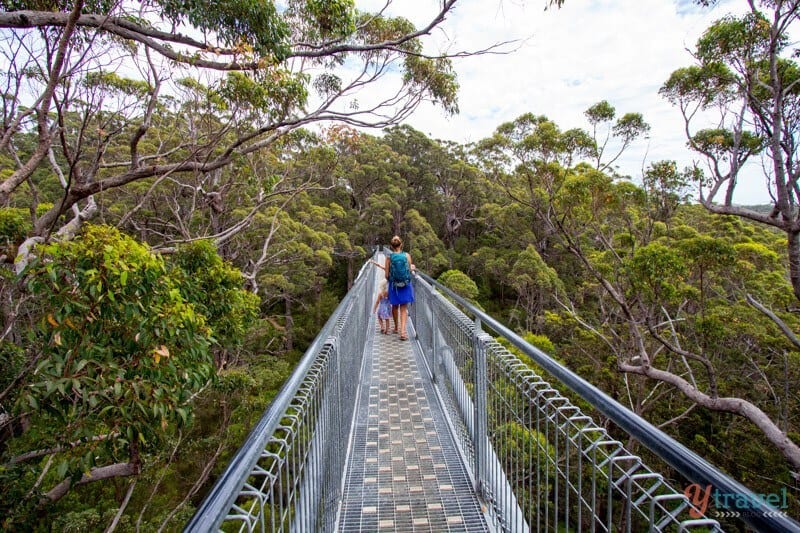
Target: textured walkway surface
{"x": 405, "y": 473}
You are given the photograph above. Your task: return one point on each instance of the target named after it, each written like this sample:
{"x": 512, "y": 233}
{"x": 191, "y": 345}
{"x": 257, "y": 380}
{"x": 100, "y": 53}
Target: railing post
{"x": 369, "y": 301}
{"x": 433, "y": 332}
{"x": 479, "y": 349}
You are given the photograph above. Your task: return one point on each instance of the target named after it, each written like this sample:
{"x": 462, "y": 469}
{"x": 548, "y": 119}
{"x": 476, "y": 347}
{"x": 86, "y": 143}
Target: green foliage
{"x": 274, "y": 92}
{"x": 720, "y": 141}
{"x": 530, "y": 274}
{"x": 422, "y": 242}
{"x": 731, "y": 38}
{"x": 600, "y": 112}
{"x": 333, "y": 18}
{"x": 459, "y": 283}
{"x": 12, "y": 361}
{"x": 111, "y": 81}
{"x": 711, "y": 83}
{"x": 15, "y": 225}
{"x": 436, "y": 77}
{"x": 236, "y": 22}
{"x": 214, "y": 288}
{"x": 107, "y": 364}
{"x": 658, "y": 272}
{"x": 630, "y": 126}
{"x": 541, "y": 342}
{"x": 87, "y": 520}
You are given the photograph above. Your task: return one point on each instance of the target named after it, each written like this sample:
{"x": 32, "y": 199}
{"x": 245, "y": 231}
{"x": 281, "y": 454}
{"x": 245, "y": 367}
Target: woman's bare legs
{"x": 403, "y": 312}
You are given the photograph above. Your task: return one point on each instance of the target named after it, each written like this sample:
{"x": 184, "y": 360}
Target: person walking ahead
{"x": 401, "y": 293}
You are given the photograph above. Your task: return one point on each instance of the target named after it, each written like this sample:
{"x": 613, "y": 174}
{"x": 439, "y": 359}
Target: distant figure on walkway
{"x": 383, "y": 307}
{"x": 399, "y": 267}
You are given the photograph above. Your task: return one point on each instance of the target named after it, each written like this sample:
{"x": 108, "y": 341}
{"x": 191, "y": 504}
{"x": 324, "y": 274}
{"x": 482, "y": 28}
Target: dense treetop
{"x": 173, "y": 236}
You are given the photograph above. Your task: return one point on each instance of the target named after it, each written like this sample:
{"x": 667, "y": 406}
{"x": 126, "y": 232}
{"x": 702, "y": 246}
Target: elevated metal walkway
{"x": 404, "y": 471}
{"x": 451, "y": 432}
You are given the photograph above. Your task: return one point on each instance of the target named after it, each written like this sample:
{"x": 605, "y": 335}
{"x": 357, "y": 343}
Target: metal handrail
{"x": 289, "y": 471}
{"x": 688, "y": 463}
{"x": 231, "y": 484}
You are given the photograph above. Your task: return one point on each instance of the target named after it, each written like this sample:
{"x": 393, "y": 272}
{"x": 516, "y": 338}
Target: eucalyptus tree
{"x": 418, "y": 170}
{"x": 107, "y": 110}
{"x": 462, "y": 191}
{"x": 746, "y": 74}
{"x": 667, "y": 302}
{"x": 536, "y": 285}
{"x": 368, "y": 184}
{"x": 528, "y": 155}
{"x": 747, "y": 80}
{"x": 104, "y": 380}
{"x": 422, "y": 242}
{"x": 609, "y": 134}
{"x": 659, "y": 296}
{"x": 257, "y": 70}
{"x": 448, "y": 188}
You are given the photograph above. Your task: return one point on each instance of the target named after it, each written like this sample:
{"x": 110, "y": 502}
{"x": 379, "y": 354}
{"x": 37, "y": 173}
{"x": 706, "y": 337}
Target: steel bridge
{"x": 456, "y": 430}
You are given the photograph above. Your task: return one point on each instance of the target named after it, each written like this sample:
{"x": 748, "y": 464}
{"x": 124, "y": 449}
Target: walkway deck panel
{"x": 405, "y": 472}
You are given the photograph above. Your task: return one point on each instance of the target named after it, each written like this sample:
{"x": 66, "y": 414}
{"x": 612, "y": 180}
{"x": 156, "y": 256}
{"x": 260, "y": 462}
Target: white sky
{"x": 587, "y": 51}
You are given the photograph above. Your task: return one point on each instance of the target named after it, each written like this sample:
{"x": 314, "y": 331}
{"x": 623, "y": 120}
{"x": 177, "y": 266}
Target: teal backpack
{"x": 399, "y": 270}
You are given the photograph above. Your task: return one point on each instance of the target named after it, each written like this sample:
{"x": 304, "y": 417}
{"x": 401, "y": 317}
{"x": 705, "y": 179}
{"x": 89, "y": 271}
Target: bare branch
{"x": 113, "y": 525}
{"x": 738, "y": 406}
{"x": 678, "y": 417}
{"x": 21, "y": 174}
{"x": 50, "y": 451}
{"x": 95, "y": 474}
{"x": 776, "y": 319}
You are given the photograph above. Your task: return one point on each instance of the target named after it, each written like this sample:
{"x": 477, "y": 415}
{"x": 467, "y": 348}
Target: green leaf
{"x": 63, "y": 467}
{"x": 80, "y": 365}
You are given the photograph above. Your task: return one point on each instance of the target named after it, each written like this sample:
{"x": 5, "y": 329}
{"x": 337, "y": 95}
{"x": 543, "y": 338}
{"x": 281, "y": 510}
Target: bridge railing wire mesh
{"x": 538, "y": 461}
{"x": 287, "y": 474}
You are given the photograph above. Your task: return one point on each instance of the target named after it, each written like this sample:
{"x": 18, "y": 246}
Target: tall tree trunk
{"x": 793, "y": 249}
{"x": 287, "y": 301}
{"x": 349, "y": 272}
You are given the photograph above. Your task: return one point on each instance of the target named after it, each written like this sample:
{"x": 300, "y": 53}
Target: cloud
{"x": 566, "y": 60}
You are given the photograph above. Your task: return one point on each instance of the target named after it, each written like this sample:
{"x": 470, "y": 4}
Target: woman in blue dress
{"x": 400, "y": 293}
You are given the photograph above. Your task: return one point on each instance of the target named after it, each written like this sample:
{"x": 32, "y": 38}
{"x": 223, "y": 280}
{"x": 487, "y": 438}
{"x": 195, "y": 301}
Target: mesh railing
{"x": 537, "y": 460}
{"x": 287, "y": 476}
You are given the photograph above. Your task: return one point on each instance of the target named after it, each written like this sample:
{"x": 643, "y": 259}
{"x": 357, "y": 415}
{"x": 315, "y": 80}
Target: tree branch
{"x": 95, "y": 474}
{"x": 50, "y": 451}
{"x": 737, "y": 406}
{"x": 113, "y": 525}
{"x": 43, "y": 145}
{"x": 772, "y": 316}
